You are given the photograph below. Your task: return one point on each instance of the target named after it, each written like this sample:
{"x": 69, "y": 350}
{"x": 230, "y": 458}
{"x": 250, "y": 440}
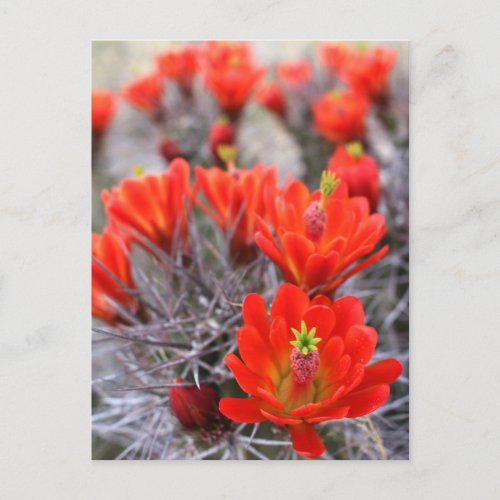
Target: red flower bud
{"x": 169, "y": 149}
{"x": 197, "y": 409}
{"x": 271, "y": 97}
{"x": 221, "y": 134}
{"x": 358, "y": 170}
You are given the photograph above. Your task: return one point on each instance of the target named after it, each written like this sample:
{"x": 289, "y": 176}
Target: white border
{"x": 45, "y": 222}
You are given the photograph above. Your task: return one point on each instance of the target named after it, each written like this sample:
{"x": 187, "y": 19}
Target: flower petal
{"x": 246, "y": 411}
{"x": 360, "y": 343}
{"x": 255, "y": 352}
{"x": 383, "y": 372}
{"x": 255, "y": 314}
{"x": 348, "y": 311}
{"x": 297, "y": 249}
{"x": 365, "y": 401}
{"x": 320, "y": 269}
{"x": 247, "y": 380}
{"x": 280, "y": 420}
{"x": 306, "y": 441}
{"x": 323, "y": 319}
{"x": 330, "y": 413}
{"x": 290, "y": 303}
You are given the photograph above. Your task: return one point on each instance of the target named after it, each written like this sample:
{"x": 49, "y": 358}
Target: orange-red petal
{"x": 246, "y": 411}
{"x": 383, "y": 372}
{"x": 360, "y": 343}
{"x": 306, "y": 441}
{"x": 255, "y": 314}
{"x": 247, "y": 380}
{"x": 290, "y": 303}
{"x": 365, "y": 401}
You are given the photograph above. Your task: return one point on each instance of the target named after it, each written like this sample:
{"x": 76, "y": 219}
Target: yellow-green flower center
{"x": 305, "y": 340}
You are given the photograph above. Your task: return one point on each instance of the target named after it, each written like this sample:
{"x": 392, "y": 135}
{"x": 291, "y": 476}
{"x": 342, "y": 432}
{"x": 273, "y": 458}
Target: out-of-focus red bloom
{"x": 103, "y": 109}
{"x": 358, "y": 170}
{"x": 179, "y": 64}
{"x": 110, "y": 249}
{"x": 169, "y": 149}
{"x": 236, "y": 198}
{"x": 306, "y": 363}
{"x": 145, "y": 93}
{"x": 230, "y": 74}
{"x": 152, "y": 205}
{"x": 294, "y": 73}
{"x": 339, "y": 116}
{"x": 320, "y": 235}
{"x": 221, "y": 134}
{"x": 197, "y": 409}
{"x": 334, "y": 55}
{"x": 271, "y": 97}
{"x": 365, "y": 69}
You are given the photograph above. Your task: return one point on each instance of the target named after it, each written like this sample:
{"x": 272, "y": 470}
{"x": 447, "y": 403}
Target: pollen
{"x": 304, "y": 366}
{"x": 315, "y": 221}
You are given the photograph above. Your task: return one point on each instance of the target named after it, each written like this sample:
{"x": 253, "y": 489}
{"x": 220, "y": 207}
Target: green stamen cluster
{"x": 335, "y": 94}
{"x": 328, "y": 183}
{"x": 138, "y": 170}
{"x": 227, "y": 153}
{"x": 305, "y": 340}
{"x": 355, "y": 149}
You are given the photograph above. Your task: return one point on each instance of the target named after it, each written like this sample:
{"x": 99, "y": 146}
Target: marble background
{"x": 44, "y": 248}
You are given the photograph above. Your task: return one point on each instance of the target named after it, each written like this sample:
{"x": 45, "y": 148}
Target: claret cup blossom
{"x": 145, "y": 93}
{"x": 152, "y": 206}
{"x": 339, "y": 116}
{"x": 319, "y": 237}
{"x": 235, "y": 199}
{"x": 111, "y": 274}
{"x": 230, "y": 74}
{"x": 306, "y": 362}
{"x": 365, "y": 69}
{"x": 179, "y": 64}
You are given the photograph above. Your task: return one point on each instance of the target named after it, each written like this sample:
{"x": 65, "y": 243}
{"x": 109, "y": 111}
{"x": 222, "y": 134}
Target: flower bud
{"x": 197, "y": 409}
{"x": 358, "y": 170}
{"x": 169, "y": 149}
{"x": 221, "y": 134}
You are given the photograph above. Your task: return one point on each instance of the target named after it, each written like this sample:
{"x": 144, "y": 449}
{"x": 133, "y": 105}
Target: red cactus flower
{"x": 368, "y": 71}
{"x": 151, "y": 205}
{"x": 306, "y": 363}
{"x": 294, "y": 73}
{"x": 230, "y": 74}
{"x": 340, "y": 116}
{"x": 197, "y": 409}
{"x": 219, "y": 54}
{"x": 109, "y": 261}
{"x": 145, "y": 93}
{"x": 221, "y": 134}
{"x": 365, "y": 69}
{"x": 320, "y": 236}
{"x": 358, "y": 170}
{"x": 236, "y": 198}
{"x": 334, "y": 55}
{"x": 169, "y": 149}
{"x": 180, "y": 65}
{"x": 103, "y": 109}
{"x": 270, "y": 96}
